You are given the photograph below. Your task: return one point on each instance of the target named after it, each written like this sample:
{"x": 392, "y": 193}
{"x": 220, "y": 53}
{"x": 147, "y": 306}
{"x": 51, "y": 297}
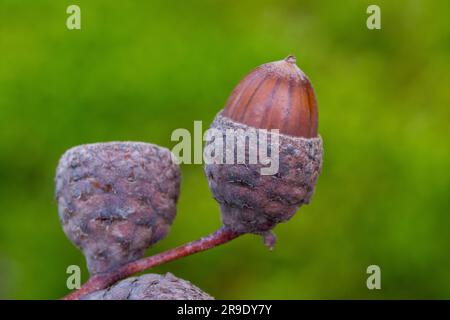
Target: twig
{"x": 102, "y": 281}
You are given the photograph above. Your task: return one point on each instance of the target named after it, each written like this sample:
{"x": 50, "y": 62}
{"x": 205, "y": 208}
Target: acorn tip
{"x": 291, "y": 59}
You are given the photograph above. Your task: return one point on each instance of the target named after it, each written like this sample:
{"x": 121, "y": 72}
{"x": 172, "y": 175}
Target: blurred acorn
{"x": 276, "y": 95}
{"x": 150, "y": 287}
{"x": 116, "y": 199}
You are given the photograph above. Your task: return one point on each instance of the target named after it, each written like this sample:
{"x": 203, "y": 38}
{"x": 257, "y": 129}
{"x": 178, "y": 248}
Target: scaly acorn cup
{"x": 276, "y": 95}
{"x": 150, "y": 287}
{"x": 116, "y": 199}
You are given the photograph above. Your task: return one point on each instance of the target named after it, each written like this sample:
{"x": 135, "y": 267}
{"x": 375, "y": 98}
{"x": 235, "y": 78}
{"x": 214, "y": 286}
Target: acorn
{"x": 116, "y": 199}
{"x": 150, "y": 287}
{"x": 274, "y": 96}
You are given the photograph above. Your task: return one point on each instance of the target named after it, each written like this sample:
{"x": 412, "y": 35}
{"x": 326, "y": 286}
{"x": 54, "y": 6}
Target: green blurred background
{"x": 139, "y": 69}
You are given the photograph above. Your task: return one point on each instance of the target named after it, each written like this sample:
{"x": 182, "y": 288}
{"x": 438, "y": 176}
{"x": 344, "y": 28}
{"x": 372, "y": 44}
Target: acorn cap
{"x": 150, "y": 287}
{"x": 276, "y": 95}
{"x": 251, "y": 202}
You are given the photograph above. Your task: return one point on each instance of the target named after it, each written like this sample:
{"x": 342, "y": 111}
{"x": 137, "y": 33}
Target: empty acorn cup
{"x": 116, "y": 199}
{"x": 274, "y": 96}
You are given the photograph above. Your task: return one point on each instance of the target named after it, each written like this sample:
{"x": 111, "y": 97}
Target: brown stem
{"x": 102, "y": 281}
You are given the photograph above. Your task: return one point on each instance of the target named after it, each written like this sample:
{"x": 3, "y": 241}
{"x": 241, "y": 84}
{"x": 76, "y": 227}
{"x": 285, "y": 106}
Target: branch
{"x": 102, "y": 281}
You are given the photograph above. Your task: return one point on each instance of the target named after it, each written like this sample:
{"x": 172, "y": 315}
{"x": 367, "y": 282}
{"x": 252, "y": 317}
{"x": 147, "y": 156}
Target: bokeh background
{"x": 139, "y": 69}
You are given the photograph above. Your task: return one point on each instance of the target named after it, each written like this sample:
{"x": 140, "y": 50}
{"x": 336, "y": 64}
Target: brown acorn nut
{"x": 150, "y": 287}
{"x": 116, "y": 199}
{"x": 276, "y": 95}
